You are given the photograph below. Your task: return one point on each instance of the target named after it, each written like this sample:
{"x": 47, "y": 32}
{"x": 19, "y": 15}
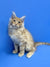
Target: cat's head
{"x": 16, "y": 22}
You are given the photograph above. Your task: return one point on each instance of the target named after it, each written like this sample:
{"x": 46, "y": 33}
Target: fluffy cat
{"x": 22, "y": 37}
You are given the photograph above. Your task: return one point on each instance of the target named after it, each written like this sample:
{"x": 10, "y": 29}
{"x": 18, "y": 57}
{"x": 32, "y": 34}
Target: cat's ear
{"x": 22, "y": 18}
{"x": 13, "y": 15}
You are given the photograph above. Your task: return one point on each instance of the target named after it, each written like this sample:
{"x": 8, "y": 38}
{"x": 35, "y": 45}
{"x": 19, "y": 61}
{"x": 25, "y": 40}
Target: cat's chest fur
{"x": 17, "y": 35}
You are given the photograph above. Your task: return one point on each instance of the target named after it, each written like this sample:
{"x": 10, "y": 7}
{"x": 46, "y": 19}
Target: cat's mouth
{"x": 14, "y": 27}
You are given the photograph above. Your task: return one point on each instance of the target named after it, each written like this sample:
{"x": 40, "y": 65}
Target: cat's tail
{"x": 40, "y": 43}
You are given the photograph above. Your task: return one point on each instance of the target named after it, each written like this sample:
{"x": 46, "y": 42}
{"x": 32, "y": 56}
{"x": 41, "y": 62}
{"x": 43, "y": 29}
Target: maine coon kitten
{"x": 21, "y": 37}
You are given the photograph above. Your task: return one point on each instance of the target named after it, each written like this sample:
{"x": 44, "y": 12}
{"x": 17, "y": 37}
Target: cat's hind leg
{"x": 30, "y": 53}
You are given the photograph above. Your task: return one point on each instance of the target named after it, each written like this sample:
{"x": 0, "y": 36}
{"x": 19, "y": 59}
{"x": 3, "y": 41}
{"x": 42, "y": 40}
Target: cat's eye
{"x": 19, "y": 22}
{"x": 14, "y": 20}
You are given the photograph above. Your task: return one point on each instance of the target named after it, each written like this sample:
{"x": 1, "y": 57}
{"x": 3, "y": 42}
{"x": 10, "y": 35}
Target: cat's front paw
{"x": 20, "y": 54}
{"x": 14, "y": 51}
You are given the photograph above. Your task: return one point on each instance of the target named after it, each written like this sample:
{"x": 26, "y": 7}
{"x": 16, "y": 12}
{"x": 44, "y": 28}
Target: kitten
{"x": 21, "y": 37}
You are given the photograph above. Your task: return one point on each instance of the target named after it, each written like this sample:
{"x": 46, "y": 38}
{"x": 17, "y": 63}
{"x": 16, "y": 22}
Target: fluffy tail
{"x": 41, "y": 43}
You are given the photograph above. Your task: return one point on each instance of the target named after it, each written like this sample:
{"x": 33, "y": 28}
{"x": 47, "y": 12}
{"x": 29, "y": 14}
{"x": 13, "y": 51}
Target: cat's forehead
{"x": 18, "y": 19}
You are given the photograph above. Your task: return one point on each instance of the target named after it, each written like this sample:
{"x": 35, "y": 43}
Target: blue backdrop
{"x": 37, "y": 21}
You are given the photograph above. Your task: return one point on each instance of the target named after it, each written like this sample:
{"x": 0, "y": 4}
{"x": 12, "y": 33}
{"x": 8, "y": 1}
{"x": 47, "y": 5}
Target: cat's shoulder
{"x": 27, "y": 32}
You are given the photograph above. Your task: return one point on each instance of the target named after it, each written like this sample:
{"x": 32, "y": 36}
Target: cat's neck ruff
{"x": 21, "y": 29}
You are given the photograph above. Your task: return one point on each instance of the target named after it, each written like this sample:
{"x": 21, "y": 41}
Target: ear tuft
{"x": 13, "y": 14}
{"x": 22, "y": 18}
